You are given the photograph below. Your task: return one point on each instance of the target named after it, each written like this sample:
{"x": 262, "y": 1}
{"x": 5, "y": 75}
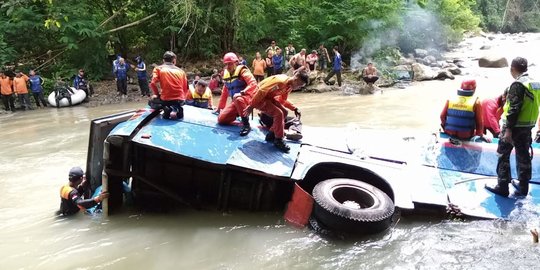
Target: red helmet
{"x": 468, "y": 85}
{"x": 230, "y": 58}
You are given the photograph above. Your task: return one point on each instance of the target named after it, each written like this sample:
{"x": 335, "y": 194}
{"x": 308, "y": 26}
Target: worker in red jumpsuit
{"x": 239, "y": 84}
{"x": 266, "y": 98}
{"x": 493, "y": 109}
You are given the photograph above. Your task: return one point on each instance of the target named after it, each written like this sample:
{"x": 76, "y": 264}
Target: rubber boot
{"x": 522, "y": 187}
{"x": 246, "y": 127}
{"x": 270, "y": 137}
{"x": 280, "y": 144}
{"x": 500, "y": 189}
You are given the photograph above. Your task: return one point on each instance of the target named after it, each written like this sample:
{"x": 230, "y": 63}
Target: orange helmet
{"x": 230, "y": 57}
{"x": 468, "y": 85}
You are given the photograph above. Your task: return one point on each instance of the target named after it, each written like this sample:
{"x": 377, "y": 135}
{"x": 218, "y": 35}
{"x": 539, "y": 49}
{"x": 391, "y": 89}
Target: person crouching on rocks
{"x": 265, "y": 100}
{"x": 71, "y": 194}
{"x": 174, "y": 87}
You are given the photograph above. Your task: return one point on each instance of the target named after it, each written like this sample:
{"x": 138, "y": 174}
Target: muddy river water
{"x": 38, "y": 147}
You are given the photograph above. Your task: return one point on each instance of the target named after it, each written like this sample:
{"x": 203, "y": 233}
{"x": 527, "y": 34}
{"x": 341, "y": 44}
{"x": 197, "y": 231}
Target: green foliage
{"x": 63, "y": 36}
{"x": 509, "y": 16}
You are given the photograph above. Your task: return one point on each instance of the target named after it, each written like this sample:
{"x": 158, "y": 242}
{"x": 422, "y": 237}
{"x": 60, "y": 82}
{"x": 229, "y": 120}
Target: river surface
{"x": 38, "y": 148}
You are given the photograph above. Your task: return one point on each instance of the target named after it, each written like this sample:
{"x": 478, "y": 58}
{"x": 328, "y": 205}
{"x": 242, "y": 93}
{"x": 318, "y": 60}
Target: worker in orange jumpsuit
{"x": 239, "y": 84}
{"x": 6, "y": 89}
{"x": 20, "y": 88}
{"x": 462, "y": 115}
{"x": 266, "y": 100}
{"x": 174, "y": 87}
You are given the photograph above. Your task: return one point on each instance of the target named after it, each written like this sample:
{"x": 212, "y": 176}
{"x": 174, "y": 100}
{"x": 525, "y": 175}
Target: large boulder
{"x": 444, "y": 74}
{"x": 420, "y": 53}
{"x": 429, "y": 60}
{"x": 321, "y": 88}
{"x": 422, "y": 72}
{"x": 492, "y": 61}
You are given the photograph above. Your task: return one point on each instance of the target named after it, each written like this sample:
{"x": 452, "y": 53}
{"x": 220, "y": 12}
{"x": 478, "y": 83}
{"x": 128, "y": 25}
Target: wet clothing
{"x": 172, "y": 81}
{"x": 72, "y": 200}
{"x": 9, "y": 102}
{"x": 242, "y": 82}
{"x": 492, "y": 112}
{"x": 267, "y": 99}
{"x": 520, "y": 115}
{"x": 201, "y": 101}
{"x": 461, "y": 116}
{"x": 6, "y": 90}
{"x": 39, "y": 98}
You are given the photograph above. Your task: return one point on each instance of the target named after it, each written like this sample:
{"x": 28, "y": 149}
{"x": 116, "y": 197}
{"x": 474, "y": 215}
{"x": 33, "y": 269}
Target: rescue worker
{"x": 21, "y": 90}
{"x": 6, "y": 89}
{"x": 71, "y": 194}
{"x": 142, "y": 76}
{"x": 120, "y": 74}
{"x": 266, "y": 97}
{"x": 36, "y": 85}
{"x": 492, "y": 109}
{"x": 519, "y": 117}
{"x": 81, "y": 83}
{"x": 174, "y": 87}
{"x": 240, "y": 85}
{"x": 461, "y": 116}
{"x": 200, "y": 95}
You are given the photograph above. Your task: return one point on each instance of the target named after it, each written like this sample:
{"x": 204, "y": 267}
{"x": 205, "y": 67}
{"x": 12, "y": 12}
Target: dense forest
{"x": 60, "y": 36}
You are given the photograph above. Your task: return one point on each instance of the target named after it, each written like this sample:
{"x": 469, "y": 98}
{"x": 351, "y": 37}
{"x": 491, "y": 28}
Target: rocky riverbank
{"x": 480, "y": 56}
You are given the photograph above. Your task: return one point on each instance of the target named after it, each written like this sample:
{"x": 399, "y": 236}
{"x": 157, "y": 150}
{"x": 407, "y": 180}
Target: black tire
{"x": 366, "y": 210}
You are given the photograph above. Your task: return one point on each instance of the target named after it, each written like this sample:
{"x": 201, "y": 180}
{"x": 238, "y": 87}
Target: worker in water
{"x": 200, "y": 95}
{"x": 265, "y": 100}
{"x": 462, "y": 115}
{"x": 239, "y": 84}
{"x": 492, "y": 109}
{"x": 520, "y": 114}
{"x": 174, "y": 87}
{"x": 72, "y": 194}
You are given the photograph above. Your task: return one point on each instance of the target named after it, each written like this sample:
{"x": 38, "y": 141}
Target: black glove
{"x": 297, "y": 112}
{"x": 537, "y": 138}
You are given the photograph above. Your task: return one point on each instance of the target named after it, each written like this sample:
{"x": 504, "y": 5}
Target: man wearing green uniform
{"x": 519, "y": 117}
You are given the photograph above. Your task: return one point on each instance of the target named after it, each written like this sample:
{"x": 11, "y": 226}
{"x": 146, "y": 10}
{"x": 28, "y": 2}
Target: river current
{"x": 38, "y": 148}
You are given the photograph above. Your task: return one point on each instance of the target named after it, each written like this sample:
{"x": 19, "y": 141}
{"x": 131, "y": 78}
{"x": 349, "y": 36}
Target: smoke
{"x": 418, "y": 29}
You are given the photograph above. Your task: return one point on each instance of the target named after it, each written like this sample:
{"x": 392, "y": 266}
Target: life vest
{"x": 65, "y": 191}
{"x": 67, "y": 207}
{"x": 233, "y": 83}
{"x": 460, "y": 115}
{"x": 528, "y": 115}
{"x": 200, "y": 101}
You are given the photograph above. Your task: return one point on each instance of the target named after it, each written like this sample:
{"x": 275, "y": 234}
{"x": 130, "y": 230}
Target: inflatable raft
{"x": 77, "y": 97}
